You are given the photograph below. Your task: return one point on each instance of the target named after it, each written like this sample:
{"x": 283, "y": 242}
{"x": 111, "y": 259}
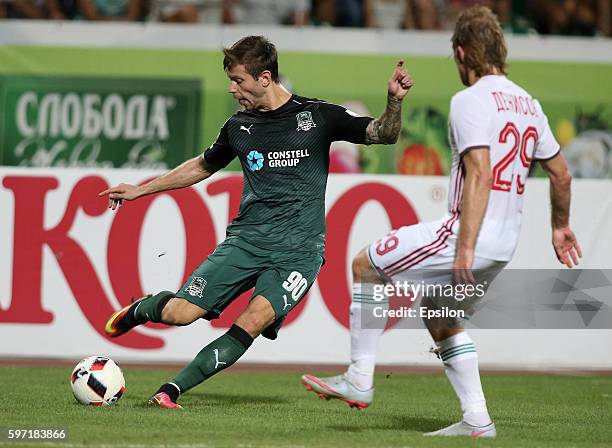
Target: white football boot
{"x": 465, "y": 429}
{"x": 339, "y": 387}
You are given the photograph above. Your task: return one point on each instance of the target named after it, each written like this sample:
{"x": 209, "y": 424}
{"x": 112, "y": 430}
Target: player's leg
{"x": 277, "y": 276}
{"x": 224, "y": 275}
{"x": 285, "y": 283}
{"x": 365, "y": 328}
{"x": 205, "y": 290}
{"x": 356, "y": 385}
{"x": 400, "y": 250}
{"x": 460, "y": 358}
{"x": 163, "y": 307}
{"x": 220, "y": 353}
{"x": 458, "y": 353}
{"x": 279, "y": 288}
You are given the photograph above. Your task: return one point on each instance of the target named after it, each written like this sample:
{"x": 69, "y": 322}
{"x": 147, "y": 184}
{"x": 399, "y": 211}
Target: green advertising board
{"x": 577, "y": 97}
{"x": 69, "y": 121}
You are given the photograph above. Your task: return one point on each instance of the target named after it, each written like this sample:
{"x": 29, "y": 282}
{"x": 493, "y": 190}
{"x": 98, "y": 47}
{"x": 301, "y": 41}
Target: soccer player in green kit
{"x": 277, "y": 242}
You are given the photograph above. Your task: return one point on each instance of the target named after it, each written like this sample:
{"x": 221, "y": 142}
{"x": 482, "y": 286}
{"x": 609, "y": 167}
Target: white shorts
{"x": 423, "y": 247}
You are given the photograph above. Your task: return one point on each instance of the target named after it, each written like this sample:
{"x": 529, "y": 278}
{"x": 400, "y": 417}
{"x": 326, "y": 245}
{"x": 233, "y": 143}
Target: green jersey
{"x": 285, "y": 158}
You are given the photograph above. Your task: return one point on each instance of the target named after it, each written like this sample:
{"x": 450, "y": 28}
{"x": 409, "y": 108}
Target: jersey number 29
{"x": 519, "y": 147}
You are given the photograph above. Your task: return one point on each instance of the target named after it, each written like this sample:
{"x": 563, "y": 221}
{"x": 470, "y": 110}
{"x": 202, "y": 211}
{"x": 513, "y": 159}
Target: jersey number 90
{"x": 296, "y": 284}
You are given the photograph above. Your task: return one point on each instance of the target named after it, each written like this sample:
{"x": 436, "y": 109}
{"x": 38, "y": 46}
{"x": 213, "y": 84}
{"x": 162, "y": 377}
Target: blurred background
{"x": 566, "y": 17}
{"x": 572, "y": 95}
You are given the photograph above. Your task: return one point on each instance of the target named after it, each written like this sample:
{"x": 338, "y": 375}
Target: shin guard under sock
{"x": 216, "y": 356}
{"x": 150, "y": 309}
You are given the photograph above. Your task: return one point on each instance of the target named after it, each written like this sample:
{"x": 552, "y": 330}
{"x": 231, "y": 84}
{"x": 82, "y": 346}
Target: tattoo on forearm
{"x": 386, "y": 128}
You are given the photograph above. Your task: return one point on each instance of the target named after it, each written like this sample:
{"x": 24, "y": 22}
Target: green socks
{"x": 151, "y": 309}
{"x": 216, "y": 356}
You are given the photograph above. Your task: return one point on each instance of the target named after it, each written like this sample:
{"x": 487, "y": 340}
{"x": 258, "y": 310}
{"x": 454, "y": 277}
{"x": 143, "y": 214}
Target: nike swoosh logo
{"x": 478, "y": 433}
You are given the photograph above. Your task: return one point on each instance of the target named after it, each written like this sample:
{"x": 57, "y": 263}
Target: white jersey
{"x": 498, "y": 114}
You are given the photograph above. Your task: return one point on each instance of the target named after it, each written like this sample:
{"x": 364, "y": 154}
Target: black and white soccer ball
{"x": 97, "y": 381}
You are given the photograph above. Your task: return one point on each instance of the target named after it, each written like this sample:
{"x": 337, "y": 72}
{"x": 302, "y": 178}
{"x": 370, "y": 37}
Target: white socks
{"x": 366, "y": 331}
{"x": 458, "y": 354}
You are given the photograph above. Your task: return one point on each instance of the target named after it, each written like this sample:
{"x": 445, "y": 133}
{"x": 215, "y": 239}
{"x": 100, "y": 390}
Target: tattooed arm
{"x": 386, "y": 128}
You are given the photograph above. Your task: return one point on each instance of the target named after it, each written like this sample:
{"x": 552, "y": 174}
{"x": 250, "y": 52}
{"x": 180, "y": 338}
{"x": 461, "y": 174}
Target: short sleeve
{"x": 547, "y": 146}
{"x": 346, "y": 125}
{"x": 469, "y": 122}
{"x": 220, "y": 153}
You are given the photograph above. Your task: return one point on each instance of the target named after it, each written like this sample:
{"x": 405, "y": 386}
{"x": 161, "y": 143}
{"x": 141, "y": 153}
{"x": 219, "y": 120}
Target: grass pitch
{"x": 274, "y": 409}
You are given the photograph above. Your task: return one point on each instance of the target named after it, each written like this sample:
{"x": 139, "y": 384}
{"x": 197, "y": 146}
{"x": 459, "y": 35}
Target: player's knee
{"x": 254, "y": 324}
{"x": 445, "y": 332}
{"x": 442, "y": 328}
{"x": 360, "y": 263}
{"x": 177, "y": 312}
{"x": 256, "y": 318}
{"x": 363, "y": 270}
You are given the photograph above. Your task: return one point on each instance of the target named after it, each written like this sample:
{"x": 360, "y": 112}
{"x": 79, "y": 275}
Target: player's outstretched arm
{"x": 386, "y": 128}
{"x": 564, "y": 241}
{"x": 476, "y": 190}
{"x": 188, "y": 173}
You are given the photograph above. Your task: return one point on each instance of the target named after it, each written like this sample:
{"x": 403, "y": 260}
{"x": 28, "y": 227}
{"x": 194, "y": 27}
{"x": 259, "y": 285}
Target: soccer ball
{"x": 97, "y": 381}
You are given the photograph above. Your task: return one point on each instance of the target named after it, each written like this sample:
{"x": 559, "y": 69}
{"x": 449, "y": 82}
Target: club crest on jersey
{"x": 305, "y": 121}
{"x": 196, "y": 287}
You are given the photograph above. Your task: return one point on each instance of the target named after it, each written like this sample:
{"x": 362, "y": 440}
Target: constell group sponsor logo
{"x": 275, "y": 159}
{"x": 98, "y": 122}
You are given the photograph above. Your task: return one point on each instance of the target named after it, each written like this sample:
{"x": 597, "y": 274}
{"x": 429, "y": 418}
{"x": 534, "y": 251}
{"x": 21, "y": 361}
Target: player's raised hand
{"x": 566, "y": 246}
{"x": 120, "y": 193}
{"x": 400, "y": 81}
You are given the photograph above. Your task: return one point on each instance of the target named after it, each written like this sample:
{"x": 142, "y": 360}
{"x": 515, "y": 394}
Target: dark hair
{"x": 479, "y": 33}
{"x": 256, "y": 53}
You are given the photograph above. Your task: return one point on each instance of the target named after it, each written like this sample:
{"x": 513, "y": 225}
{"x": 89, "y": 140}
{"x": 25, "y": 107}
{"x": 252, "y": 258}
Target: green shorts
{"x": 283, "y": 278}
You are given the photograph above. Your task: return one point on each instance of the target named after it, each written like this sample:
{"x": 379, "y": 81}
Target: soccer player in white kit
{"x": 496, "y": 131}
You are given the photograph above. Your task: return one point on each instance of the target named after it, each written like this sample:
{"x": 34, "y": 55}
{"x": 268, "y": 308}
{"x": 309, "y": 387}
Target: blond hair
{"x": 480, "y": 35}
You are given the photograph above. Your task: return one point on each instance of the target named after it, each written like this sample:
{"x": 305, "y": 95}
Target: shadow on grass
{"x": 206, "y": 399}
{"x": 234, "y": 399}
{"x": 395, "y": 423}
